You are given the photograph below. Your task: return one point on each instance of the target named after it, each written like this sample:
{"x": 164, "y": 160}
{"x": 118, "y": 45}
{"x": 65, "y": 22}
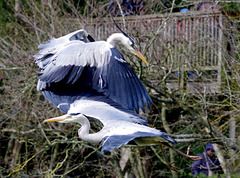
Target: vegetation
{"x": 30, "y": 148}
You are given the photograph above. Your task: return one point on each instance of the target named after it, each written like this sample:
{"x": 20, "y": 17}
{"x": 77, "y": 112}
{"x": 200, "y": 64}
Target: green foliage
{"x": 233, "y": 6}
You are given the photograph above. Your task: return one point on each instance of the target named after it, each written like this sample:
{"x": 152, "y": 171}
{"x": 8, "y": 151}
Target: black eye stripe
{"x": 131, "y": 40}
{"x": 74, "y": 114}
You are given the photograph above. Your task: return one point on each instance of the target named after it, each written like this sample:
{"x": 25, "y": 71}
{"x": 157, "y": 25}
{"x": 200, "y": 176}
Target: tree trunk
{"x": 232, "y": 135}
{"x": 221, "y": 159}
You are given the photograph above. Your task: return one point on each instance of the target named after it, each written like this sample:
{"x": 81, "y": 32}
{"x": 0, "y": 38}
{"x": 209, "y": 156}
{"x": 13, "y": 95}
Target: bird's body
{"x": 122, "y": 133}
{"x": 73, "y": 61}
{"x": 120, "y": 125}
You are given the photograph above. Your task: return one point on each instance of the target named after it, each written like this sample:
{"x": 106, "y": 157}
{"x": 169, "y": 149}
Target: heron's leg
{"x": 168, "y": 163}
{"x": 186, "y": 155}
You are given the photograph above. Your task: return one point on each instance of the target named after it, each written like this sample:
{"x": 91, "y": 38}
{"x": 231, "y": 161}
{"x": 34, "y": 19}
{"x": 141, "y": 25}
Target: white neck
{"x": 83, "y": 132}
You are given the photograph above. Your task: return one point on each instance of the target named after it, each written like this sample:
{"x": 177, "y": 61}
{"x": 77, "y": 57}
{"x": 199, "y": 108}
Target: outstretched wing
{"x": 93, "y": 66}
{"x": 92, "y": 105}
{"x": 104, "y": 109}
{"x": 124, "y": 132}
{"x": 49, "y": 48}
{"x": 124, "y": 85}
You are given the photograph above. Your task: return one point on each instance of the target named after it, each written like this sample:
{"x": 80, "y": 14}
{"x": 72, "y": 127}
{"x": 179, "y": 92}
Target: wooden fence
{"x": 177, "y": 42}
{"x": 198, "y": 35}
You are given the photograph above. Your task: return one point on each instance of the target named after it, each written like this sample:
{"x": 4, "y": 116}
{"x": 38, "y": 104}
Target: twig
{"x": 76, "y": 167}
{"x": 21, "y": 166}
{"x": 59, "y": 165}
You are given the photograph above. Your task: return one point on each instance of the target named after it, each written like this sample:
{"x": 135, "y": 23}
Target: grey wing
{"x": 111, "y": 75}
{"x": 103, "y": 109}
{"x": 70, "y": 63}
{"x": 126, "y": 132}
{"x": 49, "y": 48}
{"x": 123, "y": 85}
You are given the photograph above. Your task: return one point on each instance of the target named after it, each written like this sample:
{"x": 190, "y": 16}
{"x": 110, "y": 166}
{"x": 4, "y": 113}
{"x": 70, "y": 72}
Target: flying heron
{"x": 77, "y": 61}
{"x": 121, "y": 126}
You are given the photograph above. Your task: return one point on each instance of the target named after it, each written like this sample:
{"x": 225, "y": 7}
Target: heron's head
{"x": 127, "y": 41}
{"x": 75, "y": 118}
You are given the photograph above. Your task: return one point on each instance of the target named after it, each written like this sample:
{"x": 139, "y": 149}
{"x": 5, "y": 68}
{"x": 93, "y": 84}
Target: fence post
{"x": 220, "y": 42}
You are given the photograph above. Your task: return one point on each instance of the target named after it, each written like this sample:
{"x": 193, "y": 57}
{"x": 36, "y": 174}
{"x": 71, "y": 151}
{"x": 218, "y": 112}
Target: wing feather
{"x": 103, "y": 109}
{"x": 49, "y": 47}
{"x": 74, "y": 74}
{"x": 117, "y": 68}
{"x": 125, "y": 132}
{"x": 67, "y": 63}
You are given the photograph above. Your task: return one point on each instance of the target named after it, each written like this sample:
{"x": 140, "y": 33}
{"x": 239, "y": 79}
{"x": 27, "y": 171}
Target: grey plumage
{"x": 120, "y": 125}
{"x": 75, "y": 61}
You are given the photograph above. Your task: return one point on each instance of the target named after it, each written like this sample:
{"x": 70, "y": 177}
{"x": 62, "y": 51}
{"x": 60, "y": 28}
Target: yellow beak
{"x": 140, "y": 56}
{"x": 55, "y": 119}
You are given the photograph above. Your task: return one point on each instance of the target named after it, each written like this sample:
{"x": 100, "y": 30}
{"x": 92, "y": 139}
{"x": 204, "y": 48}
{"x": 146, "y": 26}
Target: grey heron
{"x": 77, "y": 61}
{"x": 121, "y": 126}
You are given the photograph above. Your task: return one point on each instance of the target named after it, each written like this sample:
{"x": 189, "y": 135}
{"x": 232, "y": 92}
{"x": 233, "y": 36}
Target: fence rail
{"x": 191, "y": 39}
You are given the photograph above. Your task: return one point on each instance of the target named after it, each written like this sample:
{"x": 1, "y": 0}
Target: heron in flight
{"x": 121, "y": 126}
{"x": 77, "y": 61}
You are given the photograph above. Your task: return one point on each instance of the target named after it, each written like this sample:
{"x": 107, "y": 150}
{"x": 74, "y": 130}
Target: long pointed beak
{"x": 55, "y": 119}
{"x": 140, "y": 55}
